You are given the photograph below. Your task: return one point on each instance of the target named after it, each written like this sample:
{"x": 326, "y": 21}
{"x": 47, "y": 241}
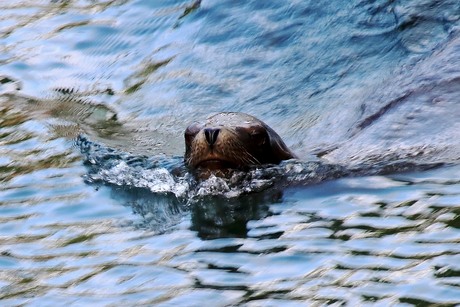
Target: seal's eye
{"x": 189, "y": 138}
{"x": 258, "y": 137}
{"x": 191, "y": 132}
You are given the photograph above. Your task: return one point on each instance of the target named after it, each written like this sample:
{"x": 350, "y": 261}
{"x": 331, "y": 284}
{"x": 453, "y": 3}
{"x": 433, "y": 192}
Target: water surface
{"x": 355, "y": 82}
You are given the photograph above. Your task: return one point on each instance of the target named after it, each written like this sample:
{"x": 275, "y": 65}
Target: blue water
{"x": 354, "y": 82}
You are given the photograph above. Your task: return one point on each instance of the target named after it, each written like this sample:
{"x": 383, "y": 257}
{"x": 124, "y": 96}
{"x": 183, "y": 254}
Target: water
{"x": 365, "y": 85}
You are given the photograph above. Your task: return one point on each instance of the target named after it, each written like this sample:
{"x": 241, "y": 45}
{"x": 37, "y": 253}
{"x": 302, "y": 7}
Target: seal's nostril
{"x": 211, "y": 135}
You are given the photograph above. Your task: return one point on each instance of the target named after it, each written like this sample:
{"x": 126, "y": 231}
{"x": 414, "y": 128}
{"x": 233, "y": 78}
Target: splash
{"x": 169, "y": 176}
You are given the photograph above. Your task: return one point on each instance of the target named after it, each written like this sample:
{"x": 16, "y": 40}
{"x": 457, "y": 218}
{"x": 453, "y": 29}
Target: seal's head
{"x": 233, "y": 140}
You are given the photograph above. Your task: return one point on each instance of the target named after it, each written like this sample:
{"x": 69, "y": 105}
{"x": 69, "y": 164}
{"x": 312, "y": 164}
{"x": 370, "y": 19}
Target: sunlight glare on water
{"x": 368, "y": 82}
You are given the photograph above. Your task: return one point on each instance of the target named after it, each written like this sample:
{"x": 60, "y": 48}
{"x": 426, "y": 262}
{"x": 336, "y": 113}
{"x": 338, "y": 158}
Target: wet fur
{"x": 249, "y": 143}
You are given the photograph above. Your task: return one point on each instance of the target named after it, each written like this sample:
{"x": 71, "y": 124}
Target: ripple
{"x": 125, "y": 224}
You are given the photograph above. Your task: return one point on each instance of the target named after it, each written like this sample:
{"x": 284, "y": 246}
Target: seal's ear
{"x": 280, "y": 150}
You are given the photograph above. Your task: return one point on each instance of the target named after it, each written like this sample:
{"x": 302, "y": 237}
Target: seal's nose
{"x": 211, "y": 135}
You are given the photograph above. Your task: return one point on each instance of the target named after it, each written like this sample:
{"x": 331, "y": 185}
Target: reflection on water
{"x": 373, "y": 239}
{"x": 341, "y": 78}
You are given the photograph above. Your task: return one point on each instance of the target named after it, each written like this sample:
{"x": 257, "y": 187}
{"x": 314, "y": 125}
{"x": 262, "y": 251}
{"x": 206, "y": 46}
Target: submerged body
{"x": 233, "y": 140}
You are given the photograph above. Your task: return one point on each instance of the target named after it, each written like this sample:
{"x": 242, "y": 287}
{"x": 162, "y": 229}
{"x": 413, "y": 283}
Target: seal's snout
{"x": 232, "y": 140}
{"x": 211, "y": 135}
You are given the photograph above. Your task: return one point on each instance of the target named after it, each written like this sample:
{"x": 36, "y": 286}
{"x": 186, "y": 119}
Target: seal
{"x": 232, "y": 140}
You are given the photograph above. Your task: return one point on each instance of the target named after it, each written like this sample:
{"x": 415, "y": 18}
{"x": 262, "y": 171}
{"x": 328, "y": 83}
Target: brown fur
{"x": 241, "y": 141}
